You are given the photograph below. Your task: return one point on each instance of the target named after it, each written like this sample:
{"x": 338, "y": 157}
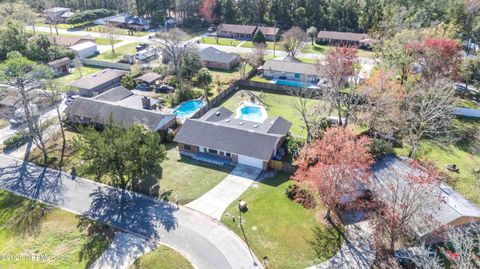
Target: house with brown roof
{"x": 68, "y": 41}
{"x": 236, "y": 31}
{"x": 270, "y": 33}
{"x": 99, "y": 82}
{"x": 344, "y": 38}
{"x": 214, "y": 58}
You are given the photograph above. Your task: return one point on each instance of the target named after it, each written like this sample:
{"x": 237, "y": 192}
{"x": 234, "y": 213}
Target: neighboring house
{"x": 236, "y": 31}
{"x": 68, "y": 41}
{"x": 60, "y": 66}
{"x": 85, "y": 49}
{"x": 99, "y": 82}
{"x": 57, "y": 14}
{"x": 453, "y": 209}
{"x": 220, "y": 136}
{"x": 12, "y": 101}
{"x": 270, "y": 33}
{"x": 149, "y": 79}
{"x": 125, "y": 20}
{"x": 124, "y": 107}
{"x": 344, "y": 38}
{"x": 214, "y": 58}
{"x": 289, "y": 70}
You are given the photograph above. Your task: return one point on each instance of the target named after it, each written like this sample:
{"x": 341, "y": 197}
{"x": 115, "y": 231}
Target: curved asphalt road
{"x": 202, "y": 240}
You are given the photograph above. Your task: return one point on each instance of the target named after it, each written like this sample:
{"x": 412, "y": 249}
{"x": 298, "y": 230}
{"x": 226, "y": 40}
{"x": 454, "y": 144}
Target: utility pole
{"x": 275, "y": 39}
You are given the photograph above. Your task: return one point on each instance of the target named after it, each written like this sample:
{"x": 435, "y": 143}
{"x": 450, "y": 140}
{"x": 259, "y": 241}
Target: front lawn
{"x": 162, "y": 258}
{"x": 275, "y": 104}
{"x": 465, "y": 154}
{"x": 187, "y": 178}
{"x": 270, "y": 45}
{"x": 322, "y": 49}
{"x": 191, "y": 33}
{"x": 119, "y": 52}
{"x": 57, "y": 237}
{"x": 274, "y": 226}
{"x": 98, "y": 40}
{"x": 220, "y": 41}
{"x": 117, "y": 31}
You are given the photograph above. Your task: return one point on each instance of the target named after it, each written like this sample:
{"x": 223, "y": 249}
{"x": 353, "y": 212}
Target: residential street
{"x": 202, "y": 240}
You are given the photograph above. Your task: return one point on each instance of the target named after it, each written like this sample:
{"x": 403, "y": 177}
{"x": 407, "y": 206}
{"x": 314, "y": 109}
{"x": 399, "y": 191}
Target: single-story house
{"x": 12, "y": 101}
{"x": 270, "y": 33}
{"x": 452, "y": 209}
{"x": 99, "y": 82}
{"x": 290, "y": 70}
{"x": 125, "y": 20}
{"x": 344, "y": 38}
{"x": 149, "y": 79}
{"x": 68, "y": 41}
{"x": 58, "y": 14}
{"x": 123, "y": 106}
{"x": 236, "y": 31}
{"x": 219, "y": 135}
{"x": 60, "y": 66}
{"x": 85, "y": 49}
{"x": 214, "y": 58}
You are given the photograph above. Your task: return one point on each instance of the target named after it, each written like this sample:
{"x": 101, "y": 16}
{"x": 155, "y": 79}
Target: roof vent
{"x": 227, "y": 120}
{"x": 242, "y": 123}
{"x": 255, "y": 126}
{"x": 272, "y": 122}
{"x": 217, "y": 113}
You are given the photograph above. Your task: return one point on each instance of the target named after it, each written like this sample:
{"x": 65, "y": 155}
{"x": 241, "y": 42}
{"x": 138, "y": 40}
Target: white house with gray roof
{"x": 219, "y": 135}
{"x": 451, "y": 210}
{"x": 290, "y": 70}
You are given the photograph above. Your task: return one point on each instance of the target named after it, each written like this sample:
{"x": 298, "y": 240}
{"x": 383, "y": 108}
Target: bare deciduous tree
{"x": 56, "y": 96}
{"x": 173, "y": 48}
{"x": 464, "y": 241}
{"x": 256, "y": 57}
{"x": 293, "y": 40}
{"x": 427, "y": 111}
{"x": 310, "y": 112}
{"x": 111, "y": 36}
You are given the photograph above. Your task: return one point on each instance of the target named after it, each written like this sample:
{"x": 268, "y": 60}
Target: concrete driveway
{"x": 215, "y": 201}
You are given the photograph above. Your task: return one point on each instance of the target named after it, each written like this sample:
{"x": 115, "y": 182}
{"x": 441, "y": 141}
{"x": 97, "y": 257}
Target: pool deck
{"x": 238, "y": 111}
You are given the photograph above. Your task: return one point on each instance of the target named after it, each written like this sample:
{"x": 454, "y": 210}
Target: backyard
{"x": 322, "y": 49}
{"x": 75, "y": 74}
{"x": 93, "y": 28}
{"x": 98, "y": 40}
{"x": 57, "y": 237}
{"x": 220, "y": 41}
{"x": 274, "y": 226}
{"x": 275, "y": 104}
{"x": 128, "y": 49}
{"x": 465, "y": 154}
{"x": 162, "y": 258}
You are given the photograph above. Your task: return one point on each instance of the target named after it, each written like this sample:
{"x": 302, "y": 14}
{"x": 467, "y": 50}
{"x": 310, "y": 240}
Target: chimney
{"x": 146, "y": 103}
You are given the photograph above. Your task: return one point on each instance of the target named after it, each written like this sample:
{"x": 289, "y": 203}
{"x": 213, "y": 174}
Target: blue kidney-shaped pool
{"x": 251, "y": 113}
{"x": 188, "y": 108}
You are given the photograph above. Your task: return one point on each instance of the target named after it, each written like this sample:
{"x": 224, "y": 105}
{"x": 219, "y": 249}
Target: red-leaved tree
{"x": 335, "y": 165}
{"x": 411, "y": 195}
{"x": 207, "y": 10}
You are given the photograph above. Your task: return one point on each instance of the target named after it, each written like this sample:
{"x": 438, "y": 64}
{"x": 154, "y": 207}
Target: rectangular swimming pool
{"x": 292, "y": 83}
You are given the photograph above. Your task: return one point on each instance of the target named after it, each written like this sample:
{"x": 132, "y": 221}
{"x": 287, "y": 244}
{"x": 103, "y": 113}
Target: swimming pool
{"x": 251, "y": 112}
{"x": 188, "y": 108}
{"x": 291, "y": 83}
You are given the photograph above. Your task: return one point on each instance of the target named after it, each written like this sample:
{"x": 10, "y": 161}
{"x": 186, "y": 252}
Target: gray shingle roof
{"x": 99, "y": 78}
{"x": 290, "y": 67}
{"x": 212, "y": 54}
{"x": 149, "y": 77}
{"x": 60, "y": 62}
{"x": 99, "y": 112}
{"x": 347, "y": 36}
{"x": 221, "y": 132}
{"x": 237, "y": 28}
{"x": 455, "y": 206}
{"x": 268, "y": 30}
{"x": 114, "y": 94}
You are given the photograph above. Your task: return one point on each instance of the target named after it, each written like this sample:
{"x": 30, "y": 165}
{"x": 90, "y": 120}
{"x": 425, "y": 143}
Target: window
{"x": 297, "y": 76}
{"x": 228, "y": 154}
{"x": 187, "y": 147}
{"x": 212, "y": 151}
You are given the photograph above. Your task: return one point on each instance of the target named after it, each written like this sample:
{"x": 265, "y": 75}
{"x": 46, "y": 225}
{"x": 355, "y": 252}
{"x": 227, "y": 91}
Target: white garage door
{"x": 250, "y": 161}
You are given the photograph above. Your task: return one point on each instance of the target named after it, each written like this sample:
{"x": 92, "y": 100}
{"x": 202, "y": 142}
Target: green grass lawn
{"x": 119, "y": 52}
{"x": 322, "y": 49}
{"x": 270, "y": 45}
{"x": 117, "y": 31}
{"x": 308, "y": 60}
{"x": 260, "y": 79}
{"x": 193, "y": 32}
{"x": 220, "y": 41}
{"x": 162, "y": 258}
{"x": 75, "y": 75}
{"x": 59, "y": 26}
{"x": 98, "y": 40}
{"x": 275, "y": 104}
{"x": 280, "y": 229}
{"x": 465, "y": 155}
{"x": 468, "y": 104}
{"x": 188, "y": 178}
{"x": 57, "y": 236}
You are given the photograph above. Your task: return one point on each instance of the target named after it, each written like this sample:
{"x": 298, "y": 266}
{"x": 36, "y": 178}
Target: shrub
{"x": 259, "y": 38}
{"x": 16, "y": 140}
{"x": 294, "y": 144}
{"x": 301, "y": 195}
{"x": 380, "y": 147}
{"x": 128, "y": 81}
{"x": 170, "y": 135}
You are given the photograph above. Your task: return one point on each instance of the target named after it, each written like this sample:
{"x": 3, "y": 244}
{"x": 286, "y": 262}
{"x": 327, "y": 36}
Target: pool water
{"x": 251, "y": 113}
{"x": 188, "y": 108}
{"x": 291, "y": 83}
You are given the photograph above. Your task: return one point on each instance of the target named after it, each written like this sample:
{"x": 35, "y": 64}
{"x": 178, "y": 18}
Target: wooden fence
{"x": 105, "y": 64}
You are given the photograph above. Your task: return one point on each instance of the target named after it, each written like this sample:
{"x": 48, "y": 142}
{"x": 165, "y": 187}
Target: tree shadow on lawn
{"x": 275, "y": 180}
{"x": 132, "y": 212}
{"x": 326, "y": 241}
